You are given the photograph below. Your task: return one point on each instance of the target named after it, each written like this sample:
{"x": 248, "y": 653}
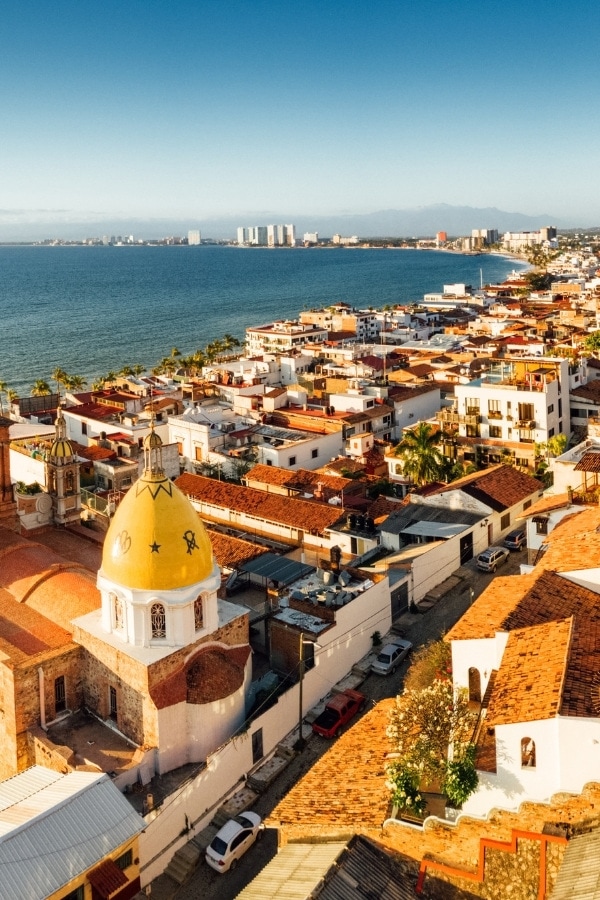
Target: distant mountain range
{"x": 422, "y": 221}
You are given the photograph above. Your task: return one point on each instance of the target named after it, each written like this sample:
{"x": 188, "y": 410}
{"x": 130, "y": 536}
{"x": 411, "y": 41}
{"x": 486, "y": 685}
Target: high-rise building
{"x": 268, "y": 235}
{"x": 194, "y": 238}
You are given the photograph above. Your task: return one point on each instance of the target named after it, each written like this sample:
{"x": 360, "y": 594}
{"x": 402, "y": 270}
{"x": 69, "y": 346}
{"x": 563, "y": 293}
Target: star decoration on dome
{"x": 154, "y": 547}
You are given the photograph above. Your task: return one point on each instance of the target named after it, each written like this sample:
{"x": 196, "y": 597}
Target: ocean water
{"x": 90, "y": 310}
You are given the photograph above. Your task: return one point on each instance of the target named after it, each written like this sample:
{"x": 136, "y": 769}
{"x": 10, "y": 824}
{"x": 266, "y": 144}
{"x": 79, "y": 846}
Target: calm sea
{"x": 90, "y": 310}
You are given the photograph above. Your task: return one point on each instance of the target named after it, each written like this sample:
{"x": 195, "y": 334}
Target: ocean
{"x": 94, "y": 309}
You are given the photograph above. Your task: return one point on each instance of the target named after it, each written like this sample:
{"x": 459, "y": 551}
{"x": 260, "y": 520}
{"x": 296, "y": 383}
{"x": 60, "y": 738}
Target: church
{"x": 146, "y": 653}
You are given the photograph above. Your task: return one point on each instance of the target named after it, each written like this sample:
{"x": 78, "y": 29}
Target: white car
{"x": 232, "y": 841}
{"x": 390, "y": 657}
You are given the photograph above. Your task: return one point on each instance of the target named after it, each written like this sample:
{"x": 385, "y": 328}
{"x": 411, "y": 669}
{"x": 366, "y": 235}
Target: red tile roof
{"x": 276, "y": 508}
{"x": 211, "y": 674}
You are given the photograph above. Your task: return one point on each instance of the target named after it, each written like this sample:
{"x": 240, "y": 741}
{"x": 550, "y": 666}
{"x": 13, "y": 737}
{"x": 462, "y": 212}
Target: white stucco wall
{"x": 190, "y": 732}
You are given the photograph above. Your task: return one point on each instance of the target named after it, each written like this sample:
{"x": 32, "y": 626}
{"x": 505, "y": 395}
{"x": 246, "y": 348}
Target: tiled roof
{"x": 24, "y": 633}
{"x": 589, "y": 462}
{"x": 546, "y": 504}
{"x": 520, "y": 694}
{"x": 345, "y": 789}
{"x": 212, "y": 674}
{"x": 489, "y": 611}
{"x": 589, "y": 391}
{"x": 232, "y": 552}
{"x": 260, "y": 504}
{"x": 296, "y": 479}
{"x": 574, "y": 543}
{"x": 499, "y": 486}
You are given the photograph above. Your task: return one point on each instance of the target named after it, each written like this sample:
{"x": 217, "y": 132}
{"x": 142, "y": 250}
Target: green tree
{"x": 3, "y": 389}
{"x": 75, "y": 382}
{"x": 40, "y": 388}
{"x": 59, "y": 376}
{"x": 430, "y": 729}
{"x": 422, "y": 459}
{"x": 592, "y": 342}
{"x": 557, "y": 444}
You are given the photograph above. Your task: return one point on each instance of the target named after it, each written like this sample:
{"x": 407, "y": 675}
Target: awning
{"x": 107, "y": 878}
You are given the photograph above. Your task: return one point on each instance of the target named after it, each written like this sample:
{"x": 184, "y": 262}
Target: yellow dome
{"x": 61, "y": 448}
{"x": 156, "y": 540}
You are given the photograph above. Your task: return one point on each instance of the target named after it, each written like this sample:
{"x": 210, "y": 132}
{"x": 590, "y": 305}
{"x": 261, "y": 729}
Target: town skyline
{"x": 203, "y": 111}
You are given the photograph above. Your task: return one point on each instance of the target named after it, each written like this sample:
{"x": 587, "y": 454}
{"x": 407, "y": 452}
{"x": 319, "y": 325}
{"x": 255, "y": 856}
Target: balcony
{"x": 494, "y": 414}
{"x": 452, "y": 417}
{"x": 526, "y": 424}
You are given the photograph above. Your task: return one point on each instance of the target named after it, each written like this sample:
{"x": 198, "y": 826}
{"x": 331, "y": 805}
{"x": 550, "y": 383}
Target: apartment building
{"x": 282, "y": 337}
{"x": 511, "y": 407}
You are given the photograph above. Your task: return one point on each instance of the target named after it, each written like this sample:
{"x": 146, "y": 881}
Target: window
{"x": 125, "y": 860}
{"x": 541, "y": 524}
{"x": 269, "y": 462}
{"x": 494, "y": 411}
{"x": 551, "y": 408}
{"x": 77, "y": 894}
{"x": 314, "y": 453}
{"x": 526, "y": 411}
{"x": 292, "y": 461}
{"x": 60, "y": 695}
{"x": 198, "y": 454}
{"x": 527, "y": 753}
{"x": 551, "y": 433}
{"x": 84, "y": 427}
{"x": 257, "y": 745}
{"x": 198, "y": 618}
{"x": 112, "y": 703}
{"x": 180, "y": 447}
{"x": 158, "y": 620}
{"x": 69, "y": 483}
{"x": 505, "y": 521}
{"x": 526, "y": 505}
{"x": 495, "y": 431}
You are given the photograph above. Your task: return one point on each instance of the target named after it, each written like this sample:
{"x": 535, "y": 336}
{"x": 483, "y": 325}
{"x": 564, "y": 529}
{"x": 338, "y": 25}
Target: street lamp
{"x": 299, "y": 745}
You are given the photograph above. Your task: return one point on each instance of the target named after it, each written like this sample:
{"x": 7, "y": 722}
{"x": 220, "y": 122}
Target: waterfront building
{"x": 194, "y": 238}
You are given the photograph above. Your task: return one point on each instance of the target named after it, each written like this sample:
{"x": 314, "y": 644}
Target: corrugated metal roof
{"x": 579, "y": 873}
{"x": 55, "y": 831}
{"x": 294, "y": 873}
{"x": 272, "y": 567}
{"x": 364, "y": 872}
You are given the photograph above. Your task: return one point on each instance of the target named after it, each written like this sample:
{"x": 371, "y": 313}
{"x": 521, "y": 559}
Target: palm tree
{"x": 75, "y": 382}
{"x": 422, "y": 460}
{"x": 229, "y": 342}
{"x": 3, "y": 389}
{"x": 40, "y": 388}
{"x": 138, "y": 368}
{"x": 60, "y": 377}
{"x": 11, "y": 396}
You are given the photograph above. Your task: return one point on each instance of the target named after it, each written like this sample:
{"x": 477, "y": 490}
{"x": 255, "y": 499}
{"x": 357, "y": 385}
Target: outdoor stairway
{"x": 184, "y": 862}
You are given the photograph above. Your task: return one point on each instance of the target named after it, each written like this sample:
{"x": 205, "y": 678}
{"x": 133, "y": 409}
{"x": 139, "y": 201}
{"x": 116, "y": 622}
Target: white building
{"x": 194, "y": 238}
{"x": 527, "y": 652}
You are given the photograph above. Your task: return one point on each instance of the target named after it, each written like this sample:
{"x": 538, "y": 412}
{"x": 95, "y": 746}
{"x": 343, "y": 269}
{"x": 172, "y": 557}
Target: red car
{"x": 338, "y": 711}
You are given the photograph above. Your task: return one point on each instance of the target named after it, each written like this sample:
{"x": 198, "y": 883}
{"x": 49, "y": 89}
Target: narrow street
{"x": 205, "y": 883}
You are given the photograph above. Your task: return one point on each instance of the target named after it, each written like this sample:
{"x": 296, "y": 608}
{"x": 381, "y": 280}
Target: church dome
{"x": 156, "y": 540}
{"x": 61, "y": 448}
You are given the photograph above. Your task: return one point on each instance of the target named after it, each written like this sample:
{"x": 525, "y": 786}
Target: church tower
{"x": 8, "y": 507}
{"x": 158, "y": 578}
{"x": 62, "y": 476}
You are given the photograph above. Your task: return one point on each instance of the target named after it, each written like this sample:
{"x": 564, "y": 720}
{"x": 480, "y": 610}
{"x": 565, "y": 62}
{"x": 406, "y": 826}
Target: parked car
{"x": 232, "y": 841}
{"x": 516, "y": 539}
{"x": 491, "y": 558}
{"x": 390, "y": 657}
{"x": 338, "y": 711}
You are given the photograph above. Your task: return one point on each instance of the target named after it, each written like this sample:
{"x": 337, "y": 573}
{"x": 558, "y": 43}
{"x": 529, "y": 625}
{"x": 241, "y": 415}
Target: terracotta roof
{"x": 589, "y": 462}
{"x": 260, "y": 504}
{"x": 345, "y": 788}
{"x": 232, "y": 552}
{"x": 589, "y": 391}
{"x": 24, "y": 633}
{"x": 499, "y": 487}
{"x": 107, "y": 878}
{"x": 489, "y": 611}
{"x": 546, "y": 504}
{"x": 207, "y": 676}
{"x": 520, "y": 694}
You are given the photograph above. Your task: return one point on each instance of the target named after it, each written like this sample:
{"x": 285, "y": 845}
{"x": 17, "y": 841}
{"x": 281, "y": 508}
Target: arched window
{"x": 69, "y": 483}
{"x": 198, "y": 615}
{"x": 51, "y": 481}
{"x": 118, "y": 612}
{"x": 158, "y": 620}
{"x": 527, "y": 753}
{"x": 474, "y": 685}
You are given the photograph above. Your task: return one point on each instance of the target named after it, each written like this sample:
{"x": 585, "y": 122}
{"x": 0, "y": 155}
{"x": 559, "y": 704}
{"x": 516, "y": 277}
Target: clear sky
{"x": 203, "y": 109}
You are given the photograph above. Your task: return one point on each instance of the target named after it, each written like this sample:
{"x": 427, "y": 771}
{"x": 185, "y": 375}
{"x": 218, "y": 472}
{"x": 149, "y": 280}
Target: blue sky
{"x": 204, "y": 109}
